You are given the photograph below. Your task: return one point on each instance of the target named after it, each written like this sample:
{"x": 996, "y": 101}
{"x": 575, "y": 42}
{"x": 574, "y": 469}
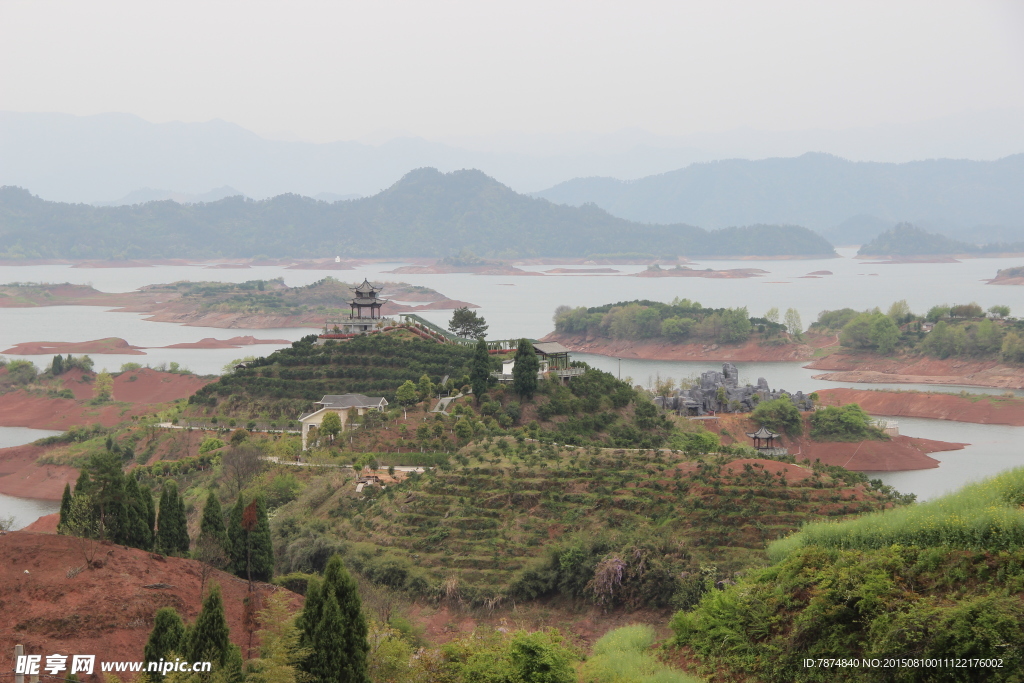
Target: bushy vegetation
{"x": 940, "y": 579}
{"x": 284, "y": 384}
{"x": 510, "y": 520}
{"x": 960, "y": 331}
{"x": 779, "y": 415}
{"x": 679, "y": 321}
{"x": 844, "y": 423}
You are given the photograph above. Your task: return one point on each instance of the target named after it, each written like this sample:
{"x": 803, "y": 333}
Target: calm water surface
{"x": 524, "y": 306}
{"x": 23, "y": 510}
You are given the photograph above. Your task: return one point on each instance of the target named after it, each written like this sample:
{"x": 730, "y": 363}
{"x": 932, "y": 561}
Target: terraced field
{"x": 517, "y": 523}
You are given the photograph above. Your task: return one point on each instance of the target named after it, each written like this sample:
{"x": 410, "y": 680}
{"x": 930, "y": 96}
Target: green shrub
{"x": 780, "y": 415}
{"x": 846, "y": 423}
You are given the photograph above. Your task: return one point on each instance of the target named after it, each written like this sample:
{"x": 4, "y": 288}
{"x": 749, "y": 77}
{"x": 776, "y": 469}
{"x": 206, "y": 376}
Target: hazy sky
{"x": 344, "y": 70}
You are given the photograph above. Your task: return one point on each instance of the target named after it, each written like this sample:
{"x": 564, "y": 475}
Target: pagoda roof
{"x": 763, "y": 433}
{"x": 367, "y": 301}
{"x": 367, "y": 288}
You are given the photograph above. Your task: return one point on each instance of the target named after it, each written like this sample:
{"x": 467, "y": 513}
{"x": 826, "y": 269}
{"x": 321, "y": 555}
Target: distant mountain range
{"x": 425, "y": 214}
{"x": 848, "y": 202}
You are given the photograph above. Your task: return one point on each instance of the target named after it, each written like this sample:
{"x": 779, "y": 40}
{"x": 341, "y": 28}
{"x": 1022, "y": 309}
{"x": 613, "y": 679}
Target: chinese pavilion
{"x": 365, "y": 304}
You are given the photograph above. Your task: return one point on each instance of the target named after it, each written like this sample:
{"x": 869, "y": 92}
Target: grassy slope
{"x": 943, "y": 579}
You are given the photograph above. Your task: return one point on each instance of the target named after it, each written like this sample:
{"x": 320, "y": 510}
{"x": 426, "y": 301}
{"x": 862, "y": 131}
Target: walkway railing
{"x": 492, "y": 344}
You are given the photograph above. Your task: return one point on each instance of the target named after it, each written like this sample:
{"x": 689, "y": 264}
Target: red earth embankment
{"x": 21, "y": 476}
{"x": 233, "y": 343}
{"x": 898, "y": 454}
{"x": 106, "y": 610}
{"x": 986, "y": 410}
{"x": 661, "y": 349}
{"x": 112, "y": 345}
{"x": 142, "y": 388}
{"x": 47, "y": 524}
{"x": 870, "y": 368}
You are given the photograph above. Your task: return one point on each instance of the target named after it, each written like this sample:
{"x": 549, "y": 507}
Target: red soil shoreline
{"x": 869, "y": 368}
{"x": 989, "y": 410}
{"x": 899, "y": 454}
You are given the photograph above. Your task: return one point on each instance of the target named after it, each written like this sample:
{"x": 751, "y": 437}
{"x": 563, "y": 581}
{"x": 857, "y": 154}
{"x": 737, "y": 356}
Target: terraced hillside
{"x": 519, "y": 521}
{"x": 283, "y": 384}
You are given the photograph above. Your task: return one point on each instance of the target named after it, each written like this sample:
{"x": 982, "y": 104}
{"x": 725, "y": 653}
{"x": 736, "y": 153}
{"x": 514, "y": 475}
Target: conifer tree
{"x": 480, "y": 370}
{"x": 181, "y": 536}
{"x": 236, "y": 547}
{"x": 167, "y": 636}
{"x": 136, "y": 532}
{"x": 261, "y": 544}
{"x": 171, "y": 526}
{"x": 108, "y": 492}
{"x": 524, "y": 372}
{"x": 57, "y": 367}
{"x": 65, "y": 508}
{"x": 212, "y": 524}
{"x": 338, "y": 643}
{"x": 208, "y": 639}
{"x": 147, "y": 498}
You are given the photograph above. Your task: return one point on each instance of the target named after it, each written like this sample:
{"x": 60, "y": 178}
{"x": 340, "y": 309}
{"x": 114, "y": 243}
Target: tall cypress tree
{"x": 237, "y": 540}
{"x": 312, "y": 611}
{"x": 147, "y": 498}
{"x": 167, "y": 636}
{"x": 212, "y": 523}
{"x": 524, "y": 372}
{"x": 339, "y": 642}
{"x": 171, "y": 526}
{"x": 65, "y": 507}
{"x": 480, "y": 370}
{"x": 181, "y": 528}
{"x": 261, "y": 545}
{"x": 136, "y": 531}
{"x": 57, "y": 367}
{"x": 209, "y": 638}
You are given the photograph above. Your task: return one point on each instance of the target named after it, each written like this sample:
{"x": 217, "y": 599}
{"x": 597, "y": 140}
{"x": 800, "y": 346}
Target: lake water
{"x": 23, "y": 510}
{"x": 524, "y": 305}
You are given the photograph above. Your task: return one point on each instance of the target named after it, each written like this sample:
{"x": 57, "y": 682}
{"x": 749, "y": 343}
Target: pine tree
{"x": 108, "y": 493}
{"x": 333, "y": 628}
{"x": 181, "y": 538}
{"x": 312, "y": 611}
{"x": 236, "y": 548}
{"x": 57, "y": 367}
{"x": 65, "y": 508}
{"x": 209, "y": 638}
{"x": 524, "y": 372}
{"x": 212, "y": 524}
{"x": 171, "y": 525}
{"x": 261, "y": 545}
{"x": 326, "y": 659}
{"x": 136, "y": 531}
{"x": 480, "y": 370}
{"x": 167, "y": 636}
{"x": 147, "y": 498}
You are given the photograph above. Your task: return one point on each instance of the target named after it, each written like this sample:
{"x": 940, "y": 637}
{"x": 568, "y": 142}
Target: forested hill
{"x": 908, "y": 240}
{"x": 844, "y": 200}
{"x": 425, "y": 214}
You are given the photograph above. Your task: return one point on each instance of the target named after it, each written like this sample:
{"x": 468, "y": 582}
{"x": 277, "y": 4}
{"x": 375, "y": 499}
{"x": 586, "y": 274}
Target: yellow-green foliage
{"x": 623, "y": 656}
{"x": 986, "y": 515}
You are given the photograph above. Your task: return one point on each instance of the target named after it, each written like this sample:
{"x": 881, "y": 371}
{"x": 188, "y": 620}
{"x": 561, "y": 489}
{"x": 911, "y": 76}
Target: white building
{"x": 343, "y": 405}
